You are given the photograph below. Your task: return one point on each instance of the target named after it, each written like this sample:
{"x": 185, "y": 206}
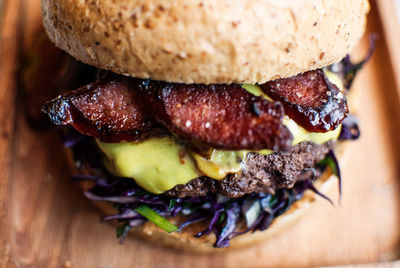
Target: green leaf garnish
{"x": 327, "y": 161}
{"x": 221, "y": 218}
{"x": 172, "y": 203}
{"x": 121, "y": 229}
{"x": 154, "y": 217}
{"x": 272, "y": 201}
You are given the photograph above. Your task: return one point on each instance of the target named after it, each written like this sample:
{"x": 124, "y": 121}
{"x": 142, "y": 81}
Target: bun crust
{"x": 185, "y": 241}
{"x": 197, "y": 41}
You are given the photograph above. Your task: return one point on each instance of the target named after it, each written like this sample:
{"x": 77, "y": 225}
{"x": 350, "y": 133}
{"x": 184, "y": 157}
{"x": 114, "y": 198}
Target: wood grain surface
{"x": 391, "y": 30}
{"x": 46, "y": 222}
{"x": 8, "y": 60}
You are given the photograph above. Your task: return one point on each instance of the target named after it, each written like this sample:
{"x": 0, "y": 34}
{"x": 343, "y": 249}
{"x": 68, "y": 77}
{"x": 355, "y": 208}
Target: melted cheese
{"x": 221, "y": 163}
{"x": 300, "y": 134}
{"x": 157, "y": 164}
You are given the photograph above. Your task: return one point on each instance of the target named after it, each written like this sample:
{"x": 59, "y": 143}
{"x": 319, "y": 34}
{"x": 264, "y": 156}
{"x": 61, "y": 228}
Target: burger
{"x": 205, "y": 123}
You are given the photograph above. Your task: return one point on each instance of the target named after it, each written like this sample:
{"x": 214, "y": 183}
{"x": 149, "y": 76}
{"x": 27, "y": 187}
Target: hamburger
{"x": 206, "y": 122}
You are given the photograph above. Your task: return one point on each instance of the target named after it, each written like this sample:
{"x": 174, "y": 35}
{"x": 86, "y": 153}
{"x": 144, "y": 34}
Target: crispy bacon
{"x": 221, "y": 116}
{"x": 118, "y": 108}
{"x": 310, "y": 99}
{"x": 108, "y": 109}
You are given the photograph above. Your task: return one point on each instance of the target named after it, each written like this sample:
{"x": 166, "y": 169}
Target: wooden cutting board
{"x": 46, "y": 222}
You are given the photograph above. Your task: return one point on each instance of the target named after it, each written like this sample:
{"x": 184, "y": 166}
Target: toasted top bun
{"x": 201, "y": 41}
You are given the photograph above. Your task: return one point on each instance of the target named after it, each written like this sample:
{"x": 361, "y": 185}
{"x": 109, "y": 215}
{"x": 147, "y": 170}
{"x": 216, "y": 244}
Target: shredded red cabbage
{"x": 331, "y": 161}
{"x": 223, "y": 215}
{"x": 350, "y": 129}
{"x": 348, "y": 70}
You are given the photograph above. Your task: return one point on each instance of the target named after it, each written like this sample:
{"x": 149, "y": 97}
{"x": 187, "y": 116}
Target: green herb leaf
{"x": 327, "y": 161}
{"x": 172, "y": 203}
{"x": 154, "y": 217}
{"x": 121, "y": 230}
{"x": 221, "y": 218}
{"x": 272, "y": 201}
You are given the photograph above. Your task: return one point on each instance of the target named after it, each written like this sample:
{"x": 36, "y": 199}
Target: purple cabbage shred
{"x": 350, "y": 129}
{"x": 347, "y": 69}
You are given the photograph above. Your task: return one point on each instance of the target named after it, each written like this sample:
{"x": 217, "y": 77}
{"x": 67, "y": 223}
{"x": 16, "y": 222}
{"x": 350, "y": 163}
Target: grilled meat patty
{"x": 261, "y": 173}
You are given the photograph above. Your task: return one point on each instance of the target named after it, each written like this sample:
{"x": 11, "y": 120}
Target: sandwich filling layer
{"x": 158, "y": 164}
{"x": 164, "y": 135}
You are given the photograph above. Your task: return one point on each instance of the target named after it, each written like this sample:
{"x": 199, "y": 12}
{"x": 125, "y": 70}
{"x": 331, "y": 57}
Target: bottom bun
{"x": 186, "y": 241}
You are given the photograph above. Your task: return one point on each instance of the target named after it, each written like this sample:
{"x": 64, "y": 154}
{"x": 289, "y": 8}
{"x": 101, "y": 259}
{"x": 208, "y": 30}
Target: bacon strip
{"x": 108, "y": 109}
{"x": 310, "y": 99}
{"x": 117, "y": 108}
{"x": 221, "y": 116}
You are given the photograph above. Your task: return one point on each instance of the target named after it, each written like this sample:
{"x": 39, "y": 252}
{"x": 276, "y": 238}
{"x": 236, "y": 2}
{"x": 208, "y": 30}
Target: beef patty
{"x": 260, "y": 173}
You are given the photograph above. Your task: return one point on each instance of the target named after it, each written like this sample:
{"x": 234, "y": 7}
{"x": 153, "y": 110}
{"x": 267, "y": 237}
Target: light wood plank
{"x": 51, "y": 224}
{"x": 8, "y": 58}
{"x": 391, "y": 30}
